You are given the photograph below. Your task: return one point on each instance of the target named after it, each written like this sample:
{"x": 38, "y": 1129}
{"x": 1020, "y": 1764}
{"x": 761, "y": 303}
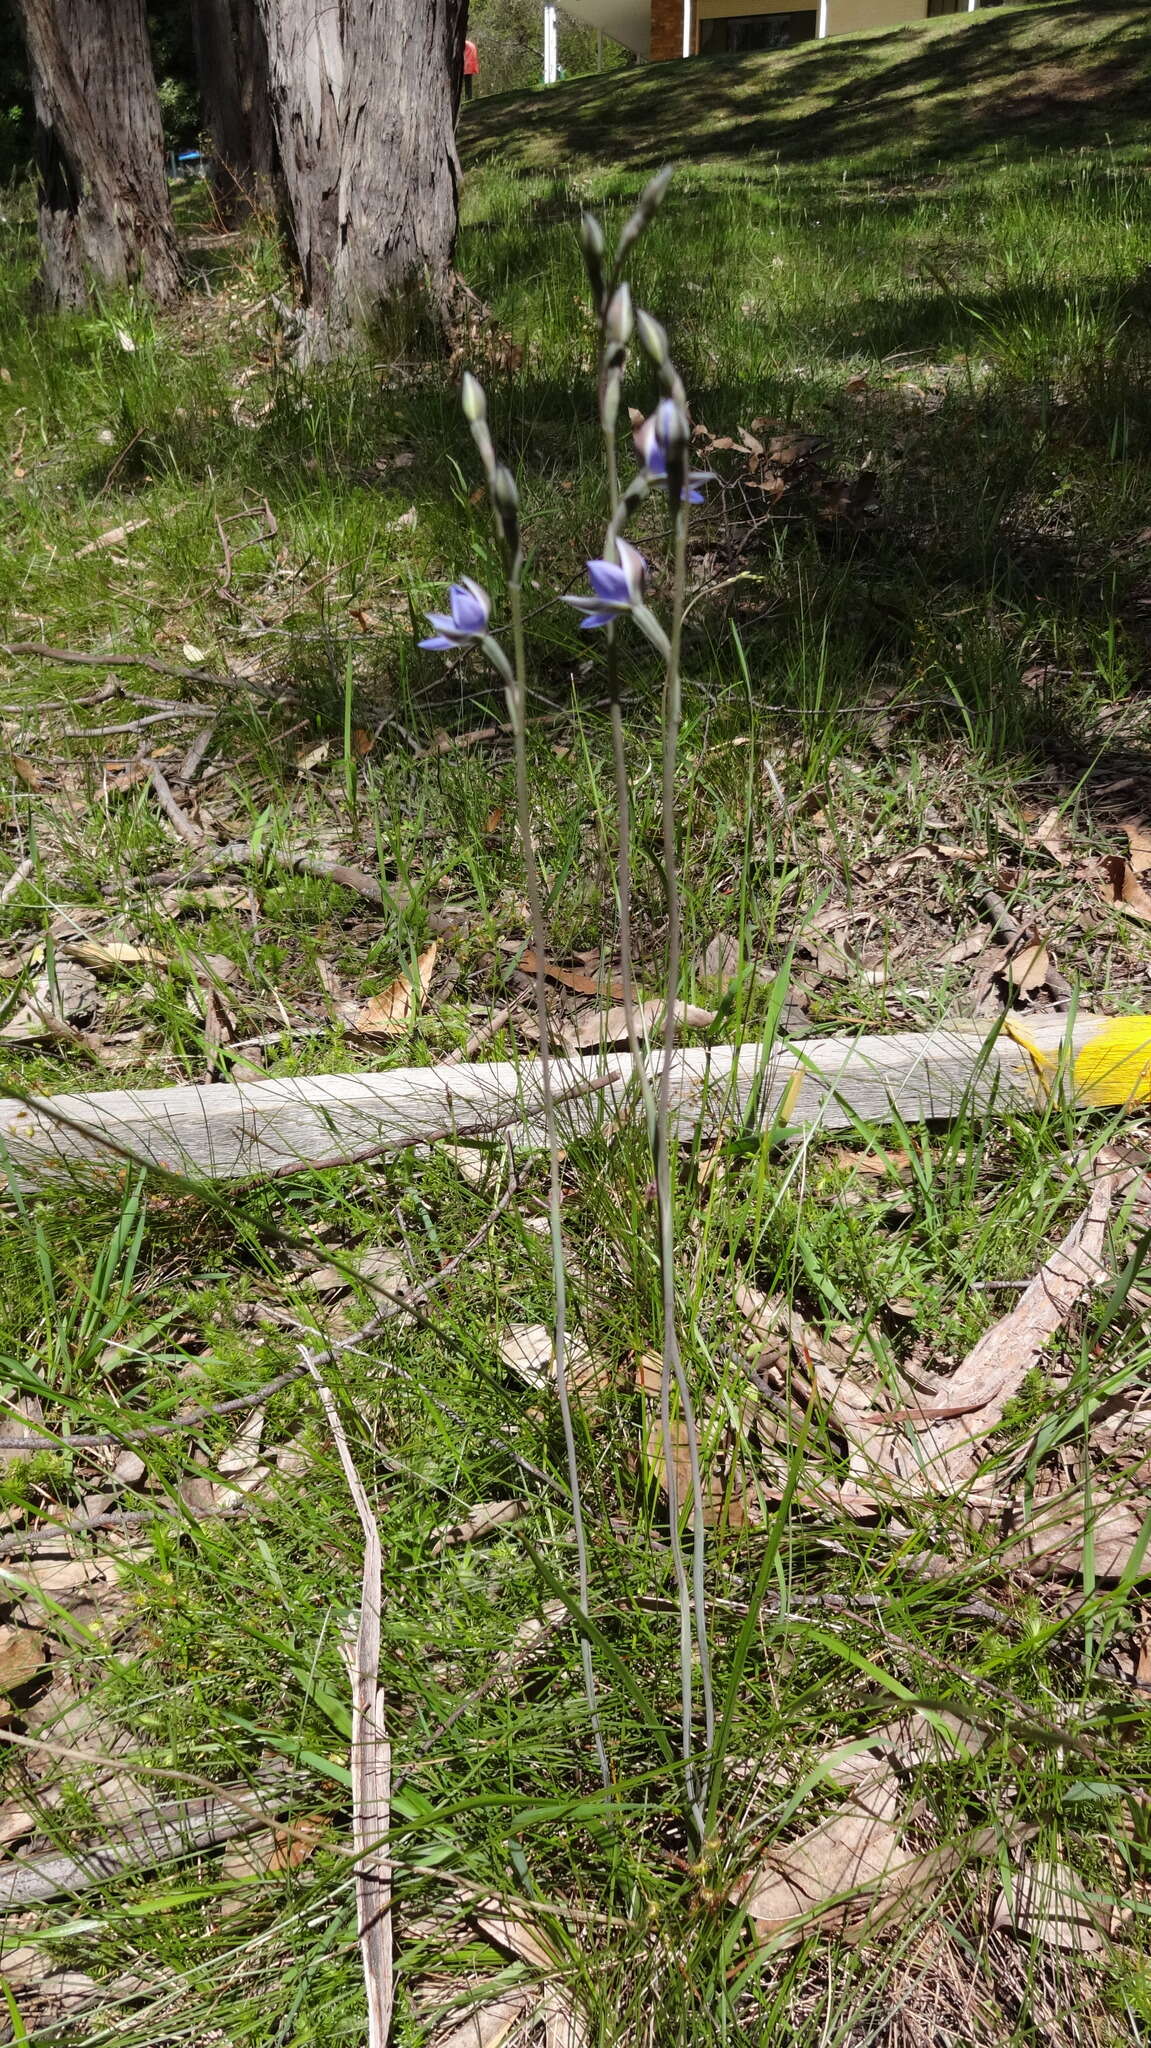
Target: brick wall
{"x": 667, "y": 29}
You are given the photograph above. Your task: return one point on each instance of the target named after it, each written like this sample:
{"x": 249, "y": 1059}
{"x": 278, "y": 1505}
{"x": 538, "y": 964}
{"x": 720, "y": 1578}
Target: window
{"x": 732, "y": 34}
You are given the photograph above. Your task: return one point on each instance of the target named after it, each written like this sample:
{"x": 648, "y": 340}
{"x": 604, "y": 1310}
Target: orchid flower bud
{"x": 652, "y": 339}
{"x": 472, "y": 399}
{"x": 594, "y": 248}
{"x": 650, "y": 201}
{"x": 619, "y": 320}
{"x": 506, "y": 505}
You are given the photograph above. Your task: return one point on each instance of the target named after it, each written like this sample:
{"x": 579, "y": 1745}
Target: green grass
{"x": 958, "y": 311}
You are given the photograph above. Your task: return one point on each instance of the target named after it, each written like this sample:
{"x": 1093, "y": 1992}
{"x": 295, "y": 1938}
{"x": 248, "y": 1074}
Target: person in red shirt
{"x": 471, "y": 68}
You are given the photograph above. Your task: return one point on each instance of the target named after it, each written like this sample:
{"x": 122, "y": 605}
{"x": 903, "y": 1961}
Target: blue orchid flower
{"x": 470, "y": 609}
{"x": 663, "y": 429}
{"x": 618, "y": 588}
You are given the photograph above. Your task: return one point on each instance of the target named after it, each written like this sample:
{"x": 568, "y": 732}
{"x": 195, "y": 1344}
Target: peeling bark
{"x": 363, "y": 93}
{"x": 105, "y": 217}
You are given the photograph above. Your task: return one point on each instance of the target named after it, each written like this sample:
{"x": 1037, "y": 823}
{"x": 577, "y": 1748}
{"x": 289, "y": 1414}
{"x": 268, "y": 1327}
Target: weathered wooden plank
{"x": 224, "y": 1132}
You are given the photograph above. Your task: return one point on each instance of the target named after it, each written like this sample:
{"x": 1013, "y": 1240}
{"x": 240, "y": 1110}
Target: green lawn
{"x": 905, "y": 279}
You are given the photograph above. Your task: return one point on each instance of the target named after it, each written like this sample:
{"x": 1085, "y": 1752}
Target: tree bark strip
{"x": 228, "y": 1131}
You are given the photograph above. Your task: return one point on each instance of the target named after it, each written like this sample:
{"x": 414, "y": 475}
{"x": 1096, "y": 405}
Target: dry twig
{"x": 371, "y": 1756}
{"x": 177, "y": 817}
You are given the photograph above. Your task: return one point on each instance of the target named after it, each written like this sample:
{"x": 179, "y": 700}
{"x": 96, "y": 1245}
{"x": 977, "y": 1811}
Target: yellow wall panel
{"x": 846, "y": 17}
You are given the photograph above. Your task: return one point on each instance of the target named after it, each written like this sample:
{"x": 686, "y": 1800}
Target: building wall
{"x": 667, "y": 28}
{"x": 844, "y": 17}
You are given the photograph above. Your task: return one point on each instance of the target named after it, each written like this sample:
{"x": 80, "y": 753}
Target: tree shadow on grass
{"x": 1019, "y": 81}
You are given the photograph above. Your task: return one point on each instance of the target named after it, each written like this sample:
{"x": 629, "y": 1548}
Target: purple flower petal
{"x": 635, "y": 570}
{"x": 439, "y": 643}
{"x": 609, "y": 582}
{"x": 470, "y": 608}
{"x": 597, "y": 619}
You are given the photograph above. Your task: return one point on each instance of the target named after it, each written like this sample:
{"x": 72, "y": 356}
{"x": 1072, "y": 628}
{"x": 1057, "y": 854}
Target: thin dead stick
{"x": 179, "y": 820}
{"x": 30, "y": 1440}
{"x": 166, "y": 717}
{"x": 485, "y": 1032}
{"x": 30, "y": 1542}
{"x": 193, "y": 760}
{"x": 371, "y": 1756}
{"x": 125, "y": 658}
{"x": 20, "y": 873}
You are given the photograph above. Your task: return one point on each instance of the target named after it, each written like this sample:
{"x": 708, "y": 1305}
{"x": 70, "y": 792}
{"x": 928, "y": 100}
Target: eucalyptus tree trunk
{"x": 363, "y": 93}
{"x": 232, "y": 59}
{"x": 105, "y": 217}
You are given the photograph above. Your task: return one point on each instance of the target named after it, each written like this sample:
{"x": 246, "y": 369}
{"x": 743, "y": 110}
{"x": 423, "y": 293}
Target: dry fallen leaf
{"x": 379, "y": 1269}
{"x": 1049, "y": 835}
{"x": 1139, "y": 845}
{"x": 27, "y": 772}
{"x": 570, "y": 977}
{"x": 529, "y": 1351}
{"x": 1058, "y": 1534}
{"x": 565, "y": 2025}
{"x": 729, "y": 1496}
{"x": 1047, "y": 1902}
{"x": 818, "y": 1876}
{"x": 244, "y": 1448}
{"x": 294, "y": 1845}
{"x": 720, "y": 959}
{"x": 112, "y": 538}
{"x": 530, "y": 1637}
{"x": 103, "y": 956}
{"x": 875, "y": 1165}
{"x": 993, "y": 1372}
{"x": 969, "y": 948}
{"x": 487, "y": 2025}
{"x": 1124, "y": 889}
{"x": 609, "y": 1027}
{"x": 394, "y": 1010}
{"x": 1027, "y": 967}
{"x": 480, "y": 1520}
{"x": 21, "y": 1657}
{"x": 909, "y": 1742}
{"x": 16, "y": 1823}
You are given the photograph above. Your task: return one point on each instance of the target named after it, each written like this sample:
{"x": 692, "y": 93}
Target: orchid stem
{"x": 692, "y": 1607}
{"x": 516, "y": 687}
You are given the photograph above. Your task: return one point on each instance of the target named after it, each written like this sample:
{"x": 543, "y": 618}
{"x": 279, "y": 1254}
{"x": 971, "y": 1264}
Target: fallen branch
{"x": 448, "y": 1134}
{"x": 124, "y": 657}
{"x": 260, "y": 1129}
